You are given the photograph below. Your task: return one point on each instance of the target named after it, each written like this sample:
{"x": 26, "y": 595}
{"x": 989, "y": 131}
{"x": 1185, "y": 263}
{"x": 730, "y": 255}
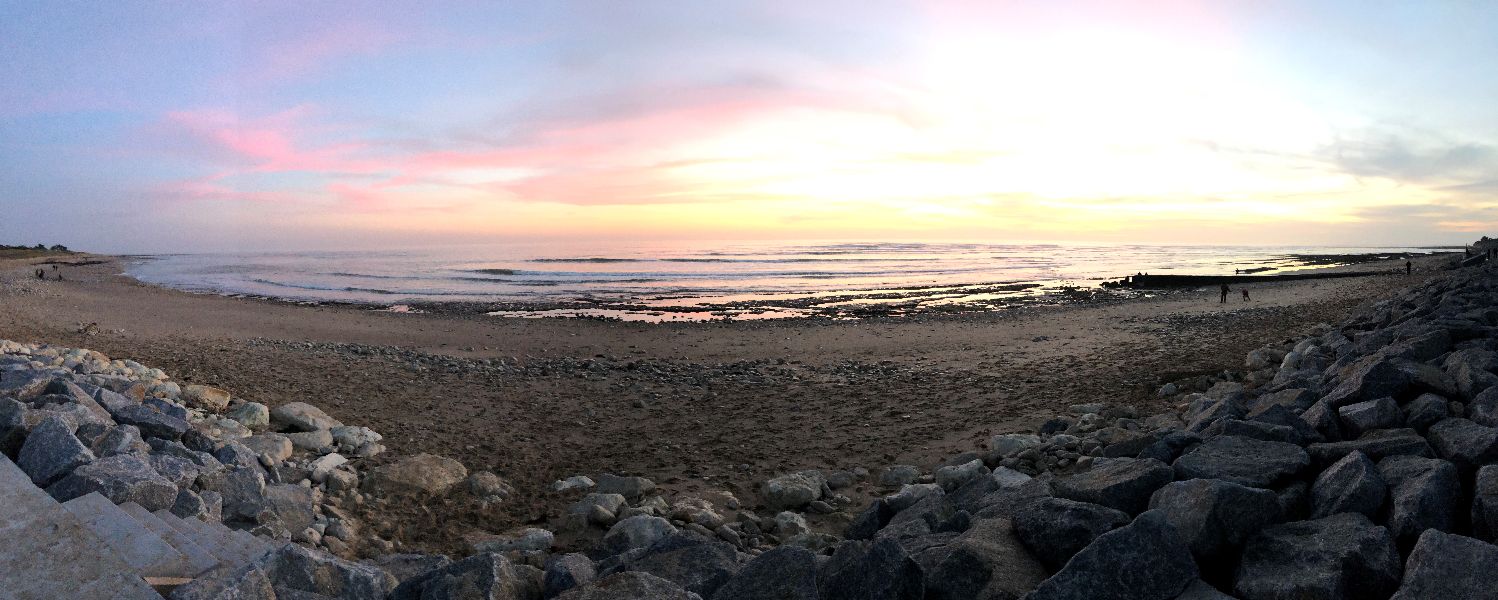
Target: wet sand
{"x": 695, "y": 406}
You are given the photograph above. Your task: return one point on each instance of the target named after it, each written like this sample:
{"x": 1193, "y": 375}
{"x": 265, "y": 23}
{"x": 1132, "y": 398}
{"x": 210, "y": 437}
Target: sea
{"x": 695, "y": 281}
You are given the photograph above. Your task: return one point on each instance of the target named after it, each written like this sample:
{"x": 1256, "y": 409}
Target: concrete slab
{"x": 138, "y": 546}
{"x": 201, "y": 559}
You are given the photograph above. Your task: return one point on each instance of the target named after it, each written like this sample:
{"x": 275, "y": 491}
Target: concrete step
{"x": 138, "y": 546}
{"x": 213, "y": 538}
{"x": 50, "y": 553}
{"x": 202, "y": 559}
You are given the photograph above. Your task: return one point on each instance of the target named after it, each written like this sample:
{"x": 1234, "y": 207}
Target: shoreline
{"x": 537, "y": 400}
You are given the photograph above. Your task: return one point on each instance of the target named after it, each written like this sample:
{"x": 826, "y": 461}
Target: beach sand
{"x": 696, "y": 407}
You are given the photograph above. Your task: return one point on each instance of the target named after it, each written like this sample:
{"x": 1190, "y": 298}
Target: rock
{"x": 1244, "y": 461}
{"x": 879, "y": 570}
{"x": 1362, "y": 417}
{"x": 406, "y": 566}
{"x": 1123, "y": 484}
{"x": 423, "y": 474}
{"x": 1010, "y": 444}
{"x": 1170, "y": 446}
{"x": 912, "y": 494}
{"x": 189, "y": 505}
{"x": 697, "y": 564}
{"x": 1201, "y": 590}
{"x": 1007, "y": 478}
{"x": 576, "y": 482}
{"x": 636, "y": 532}
{"x": 840, "y": 480}
{"x": 1464, "y": 442}
{"x": 1055, "y": 529}
{"x": 317, "y": 442}
{"x": 953, "y": 477}
{"x": 120, "y": 439}
{"x": 1485, "y": 504}
{"x": 566, "y": 572}
{"x": 1295, "y": 399}
{"x": 784, "y": 573}
{"x": 253, "y": 415}
{"x": 242, "y": 489}
{"x": 277, "y": 446}
{"x": 1483, "y": 409}
{"x": 986, "y": 561}
{"x": 488, "y": 486}
{"x": 530, "y": 539}
{"x": 211, "y": 399}
{"x": 287, "y": 507}
{"x": 1423, "y": 494}
{"x": 899, "y": 475}
{"x": 792, "y": 491}
{"x": 325, "y": 465}
{"x": 237, "y": 454}
{"x": 152, "y": 422}
{"x": 13, "y": 420}
{"x": 1215, "y": 517}
{"x": 292, "y": 571}
{"x": 1349, "y": 485}
{"x": 180, "y": 471}
{"x": 868, "y": 523}
{"x": 51, "y": 451}
{"x": 1142, "y": 560}
{"x": 352, "y": 438}
{"x": 1375, "y": 445}
{"x": 1341, "y": 556}
{"x": 1444, "y": 565}
{"x": 632, "y": 488}
{"x": 629, "y": 586}
{"x": 611, "y": 503}
{"x": 789, "y": 524}
{"x": 485, "y": 576}
{"x": 1424, "y": 411}
{"x": 1369, "y": 379}
{"x": 300, "y": 416}
{"x": 122, "y": 478}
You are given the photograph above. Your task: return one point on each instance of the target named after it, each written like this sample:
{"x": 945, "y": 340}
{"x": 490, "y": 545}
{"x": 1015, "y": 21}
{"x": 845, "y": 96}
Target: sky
{"x": 209, "y": 126}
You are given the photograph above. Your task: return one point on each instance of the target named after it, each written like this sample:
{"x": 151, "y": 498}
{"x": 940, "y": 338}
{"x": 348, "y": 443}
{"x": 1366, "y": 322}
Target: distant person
{"x": 1225, "y": 291}
{"x": 1245, "y": 294}
{"x": 41, "y": 274}
{"x": 1409, "y": 267}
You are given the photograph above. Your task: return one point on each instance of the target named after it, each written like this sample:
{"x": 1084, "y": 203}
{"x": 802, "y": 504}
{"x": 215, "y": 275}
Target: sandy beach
{"x": 695, "y": 407}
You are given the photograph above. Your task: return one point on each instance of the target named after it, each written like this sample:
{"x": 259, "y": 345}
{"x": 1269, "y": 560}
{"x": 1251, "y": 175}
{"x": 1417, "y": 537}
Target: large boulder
{"x": 152, "y": 422}
{"x": 422, "y": 474}
{"x": 1369, "y": 379}
{"x": 1485, "y": 504}
{"x": 288, "y": 507}
{"x": 1361, "y": 417}
{"x": 952, "y": 477}
{"x": 699, "y": 565}
{"x": 52, "y": 451}
{"x": 1215, "y": 517}
{"x": 986, "y": 561}
{"x": 1464, "y": 442}
{"x": 1055, "y": 529}
{"x": 1121, "y": 483}
{"x": 785, "y": 573}
{"x": 632, "y": 488}
{"x": 1146, "y": 559}
{"x": 1426, "y": 410}
{"x": 1349, "y": 485}
{"x": 879, "y": 570}
{"x": 1337, "y": 557}
{"x": 1448, "y": 566}
{"x": 253, "y": 415}
{"x": 481, "y": 576}
{"x": 565, "y": 572}
{"x": 1424, "y": 493}
{"x": 1483, "y": 409}
{"x": 1241, "y": 460}
{"x": 1375, "y": 445}
{"x": 208, "y": 398}
{"x": 300, "y": 416}
{"x": 630, "y": 585}
{"x": 292, "y": 572}
{"x": 242, "y": 489}
{"x": 122, "y": 478}
{"x": 793, "y": 491}
{"x": 640, "y": 531}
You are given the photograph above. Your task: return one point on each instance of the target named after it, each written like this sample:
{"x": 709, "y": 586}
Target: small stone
{"x": 300, "y": 416}
{"x": 793, "y": 491}
{"x": 530, "y": 539}
{"x": 575, "y": 482}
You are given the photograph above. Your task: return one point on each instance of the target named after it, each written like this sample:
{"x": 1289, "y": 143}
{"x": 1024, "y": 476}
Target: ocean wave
{"x": 495, "y": 271}
{"x": 591, "y": 259}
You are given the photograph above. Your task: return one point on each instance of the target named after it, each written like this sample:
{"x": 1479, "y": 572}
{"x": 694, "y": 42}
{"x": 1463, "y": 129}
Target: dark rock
{"x": 1368, "y": 379}
{"x": 1008, "y": 501}
{"x": 120, "y": 439}
{"x": 292, "y": 571}
{"x": 1201, "y": 590}
{"x": 1444, "y": 565}
{"x": 287, "y": 507}
{"x": 785, "y": 573}
{"x": 1471, "y": 370}
{"x": 152, "y": 422}
{"x": 566, "y": 572}
{"x": 1485, "y": 504}
{"x": 986, "y": 561}
{"x": 1215, "y": 517}
{"x": 12, "y": 426}
{"x": 1245, "y": 461}
{"x": 1143, "y": 560}
{"x": 1295, "y": 501}
{"x": 629, "y": 586}
{"x": 1376, "y": 445}
{"x": 632, "y": 488}
{"x": 1341, "y": 556}
{"x": 1171, "y": 446}
{"x": 1349, "y": 485}
{"x": 1255, "y": 429}
{"x": 486, "y": 576}
{"x": 1483, "y": 409}
{"x": 1464, "y": 442}
{"x": 51, "y": 451}
{"x": 123, "y": 478}
{"x": 694, "y": 563}
{"x": 237, "y": 454}
{"x": 406, "y": 566}
{"x": 1054, "y": 426}
{"x": 1295, "y": 400}
{"x": 1423, "y": 494}
{"x": 243, "y": 490}
{"x": 1121, "y": 483}
{"x": 870, "y": 521}
{"x": 1424, "y": 411}
{"x": 1362, "y": 417}
{"x": 1055, "y": 529}
{"x": 878, "y": 570}
{"x": 1212, "y": 413}
{"x": 1322, "y": 417}
{"x": 640, "y": 531}
{"x": 1279, "y": 415}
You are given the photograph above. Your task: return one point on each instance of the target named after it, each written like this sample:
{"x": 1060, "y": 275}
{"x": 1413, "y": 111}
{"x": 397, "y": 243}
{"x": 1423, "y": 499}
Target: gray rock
{"x": 530, "y": 539}
{"x": 12, "y": 426}
{"x": 1444, "y": 565}
{"x": 1215, "y": 517}
{"x": 1295, "y": 399}
{"x": 1170, "y": 446}
{"x": 120, "y": 439}
{"x": 565, "y": 572}
{"x": 1010, "y": 444}
{"x": 152, "y": 422}
{"x": 1426, "y": 410}
{"x": 238, "y": 455}
{"x": 1349, "y": 485}
{"x": 784, "y": 573}
{"x": 406, "y": 566}
{"x": 868, "y": 523}
{"x": 986, "y": 561}
{"x": 208, "y": 398}
{"x": 122, "y": 478}
{"x": 287, "y": 507}
{"x": 51, "y": 452}
{"x": 180, "y": 471}
{"x": 636, "y": 532}
{"x": 608, "y": 502}
{"x": 300, "y": 416}
{"x": 1322, "y": 417}
{"x": 1483, "y": 409}
{"x": 629, "y": 586}
{"x": 253, "y": 415}
{"x": 793, "y": 491}
{"x": 880, "y": 570}
{"x": 1123, "y": 484}
{"x": 486, "y": 576}
{"x": 1055, "y": 529}
{"x": 1201, "y": 590}
{"x": 912, "y": 494}
{"x": 632, "y": 488}
{"x": 1241, "y": 460}
{"x": 1376, "y": 445}
{"x": 1423, "y": 494}
{"x": 1464, "y": 442}
{"x": 697, "y": 564}
{"x": 1362, "y": 417}
{"x": 899, "y": 475}
{"x": 1258, "y": 430}
{"x": 274, "y": 445}
{"x": 422, "y": 474}
{"x": 1369, "y": 379}
{"x": 292, "y": 572}
{"x": 316, "y": 442}
{"x": 189, "y": 505}
{"x": 242, "y": 489}
{"x": 1485, "y": 504}
{"x": 1341, "y": 556}
{"x": 1146, "y": 559}
{"x": 953, "y": 477}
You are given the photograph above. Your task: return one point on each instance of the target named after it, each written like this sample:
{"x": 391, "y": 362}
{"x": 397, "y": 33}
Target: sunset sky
{"x": 134, "y": 126}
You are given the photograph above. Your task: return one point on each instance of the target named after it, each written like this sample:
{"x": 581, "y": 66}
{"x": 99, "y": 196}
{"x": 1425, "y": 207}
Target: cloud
{"x": 1414, "y": 157}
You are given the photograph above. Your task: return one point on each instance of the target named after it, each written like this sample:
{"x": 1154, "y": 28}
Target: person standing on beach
{"x": 1245, "y": 294}
{"x": 1409, "y": 267}
{"x": 1225, "y": 291}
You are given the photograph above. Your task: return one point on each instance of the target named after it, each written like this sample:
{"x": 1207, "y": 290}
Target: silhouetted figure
{"x": 41, "y": 274}
{"x": 1225, "y": 291}
{"x": 1409, "y": 267}
{"x": 1245, "y": 294}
